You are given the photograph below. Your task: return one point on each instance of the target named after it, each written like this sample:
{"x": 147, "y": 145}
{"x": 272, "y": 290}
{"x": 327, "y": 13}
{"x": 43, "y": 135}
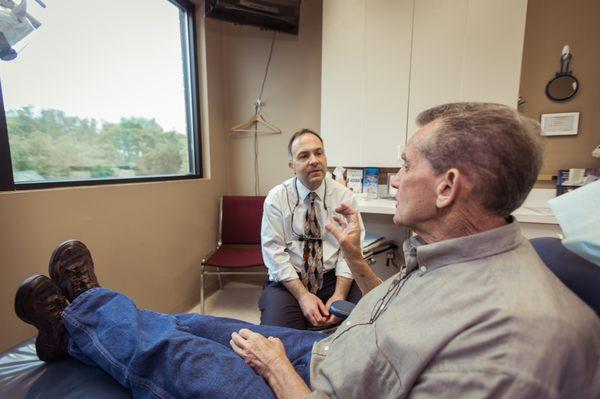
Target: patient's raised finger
{"x": 345, "y": 209}
{"x": 340, "y": 221}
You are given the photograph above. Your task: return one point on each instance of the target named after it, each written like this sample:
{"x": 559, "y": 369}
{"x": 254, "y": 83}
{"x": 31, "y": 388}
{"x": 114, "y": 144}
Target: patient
{"x": 474, "y": 312}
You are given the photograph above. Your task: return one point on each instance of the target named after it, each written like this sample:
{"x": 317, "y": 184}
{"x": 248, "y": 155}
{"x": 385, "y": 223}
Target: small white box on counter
{"x": 354, "y": 178}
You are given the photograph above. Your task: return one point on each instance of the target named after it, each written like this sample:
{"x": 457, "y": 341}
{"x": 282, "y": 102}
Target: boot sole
{"x": 21, "y": 297}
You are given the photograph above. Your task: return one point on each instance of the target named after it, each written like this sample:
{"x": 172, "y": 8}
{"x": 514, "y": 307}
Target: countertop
{"x": 535, "y": 209}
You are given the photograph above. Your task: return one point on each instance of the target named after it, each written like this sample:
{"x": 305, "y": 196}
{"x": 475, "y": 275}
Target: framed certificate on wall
{"x": 563, "y": 124}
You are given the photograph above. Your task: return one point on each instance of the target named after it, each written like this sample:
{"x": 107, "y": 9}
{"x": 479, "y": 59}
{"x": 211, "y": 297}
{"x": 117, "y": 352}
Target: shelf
{"x": 383, "y": 206}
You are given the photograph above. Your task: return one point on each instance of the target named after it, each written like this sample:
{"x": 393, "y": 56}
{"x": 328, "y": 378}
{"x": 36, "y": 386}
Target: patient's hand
{"x": 349, "y": 235}
{"x": 262, "y": 354}
{"x": 267, "y": 357}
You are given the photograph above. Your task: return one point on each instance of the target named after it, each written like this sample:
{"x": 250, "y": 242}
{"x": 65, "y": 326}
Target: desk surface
{"x": 534, "y": 210}
{"x": 384, "y": 206}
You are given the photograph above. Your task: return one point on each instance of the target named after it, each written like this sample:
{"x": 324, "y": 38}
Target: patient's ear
{"x": 291, "y": 166}
{"x": 448, "y": 188}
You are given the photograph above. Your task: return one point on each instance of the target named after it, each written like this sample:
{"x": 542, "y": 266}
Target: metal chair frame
{"x": 204, "y": 271}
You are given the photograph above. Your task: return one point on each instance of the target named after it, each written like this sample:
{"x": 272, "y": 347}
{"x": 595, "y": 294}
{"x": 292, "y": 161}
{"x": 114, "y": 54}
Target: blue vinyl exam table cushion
{"x": 23, "y": 375}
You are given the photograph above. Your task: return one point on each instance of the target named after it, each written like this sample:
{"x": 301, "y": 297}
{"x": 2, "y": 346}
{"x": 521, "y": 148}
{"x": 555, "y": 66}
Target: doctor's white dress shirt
{"x": 282, "y": 248}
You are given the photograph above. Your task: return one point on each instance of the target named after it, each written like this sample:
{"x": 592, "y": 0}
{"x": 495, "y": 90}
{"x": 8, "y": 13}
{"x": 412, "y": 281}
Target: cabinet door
{"x": 342, "y": 79}
{"x": 465, "y": 50}
{"x": 388, "y": 26}
{"x": 365, "y": 80}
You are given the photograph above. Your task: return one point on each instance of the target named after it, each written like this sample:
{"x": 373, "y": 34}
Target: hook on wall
{"x": 564, "y": 85}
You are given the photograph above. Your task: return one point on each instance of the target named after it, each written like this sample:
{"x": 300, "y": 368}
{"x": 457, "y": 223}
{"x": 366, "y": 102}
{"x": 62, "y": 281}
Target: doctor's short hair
{"x": 498, "y": 148}
{"x": 298, "y": 134}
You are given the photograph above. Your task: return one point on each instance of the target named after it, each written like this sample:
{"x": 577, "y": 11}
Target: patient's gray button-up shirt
{"x": 477, "y": 316}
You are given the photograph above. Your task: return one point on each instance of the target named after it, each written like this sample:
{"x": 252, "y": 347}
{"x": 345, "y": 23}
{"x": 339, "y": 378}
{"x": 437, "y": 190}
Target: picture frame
{"x": 560, "y": 124}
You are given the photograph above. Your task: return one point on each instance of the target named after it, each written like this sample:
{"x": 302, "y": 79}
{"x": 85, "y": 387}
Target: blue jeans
{"x": 159, "y": 355}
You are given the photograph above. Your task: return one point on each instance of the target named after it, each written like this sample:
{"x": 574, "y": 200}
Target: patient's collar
{"x": 417, "y": 253}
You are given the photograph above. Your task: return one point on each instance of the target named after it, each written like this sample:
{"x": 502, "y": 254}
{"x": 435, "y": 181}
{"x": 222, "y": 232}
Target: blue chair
{"x": 581, "y": 276}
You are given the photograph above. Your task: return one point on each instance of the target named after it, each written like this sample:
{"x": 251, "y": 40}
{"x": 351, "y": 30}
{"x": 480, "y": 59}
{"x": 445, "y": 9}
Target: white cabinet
{"x": 384, "y": 61}
{"x": 365, "y": 76}
{"x": 465, "y": 50}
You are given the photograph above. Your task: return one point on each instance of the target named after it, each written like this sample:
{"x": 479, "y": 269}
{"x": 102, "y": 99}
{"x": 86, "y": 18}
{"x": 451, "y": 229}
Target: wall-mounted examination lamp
{"x": 15, "y": 24}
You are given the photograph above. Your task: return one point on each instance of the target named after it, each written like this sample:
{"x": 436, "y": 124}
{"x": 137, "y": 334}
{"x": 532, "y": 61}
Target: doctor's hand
{"x": 264, "y": 355}
{"x": 348, "y": 234}
{"x": 333, "y": 319}
{"x": 313, "y": 309}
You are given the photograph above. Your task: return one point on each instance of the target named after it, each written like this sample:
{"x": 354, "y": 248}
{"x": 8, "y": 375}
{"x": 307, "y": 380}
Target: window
{"x": 104, "y": 91}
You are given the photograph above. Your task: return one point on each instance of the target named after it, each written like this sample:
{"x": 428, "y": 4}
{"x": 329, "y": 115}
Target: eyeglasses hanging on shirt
{"x": 295, "y": 234}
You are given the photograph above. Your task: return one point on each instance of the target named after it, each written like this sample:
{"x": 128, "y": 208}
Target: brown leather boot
{"x": 72, "y": 269}
{"x": 39, "y": 302}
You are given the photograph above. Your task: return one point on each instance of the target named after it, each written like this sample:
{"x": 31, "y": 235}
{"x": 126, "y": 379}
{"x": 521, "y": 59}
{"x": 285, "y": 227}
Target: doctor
{"x": 307, "y": 271}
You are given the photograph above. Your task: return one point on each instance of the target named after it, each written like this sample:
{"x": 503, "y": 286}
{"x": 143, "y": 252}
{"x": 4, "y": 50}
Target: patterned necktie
{"x": 312, "y": 274}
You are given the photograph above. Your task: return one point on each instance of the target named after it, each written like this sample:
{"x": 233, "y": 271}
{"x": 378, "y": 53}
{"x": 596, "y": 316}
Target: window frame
{"x": 194, "y": 134}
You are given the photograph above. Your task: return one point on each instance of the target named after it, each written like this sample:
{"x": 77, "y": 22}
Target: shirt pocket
{"x": 356, "y": 368}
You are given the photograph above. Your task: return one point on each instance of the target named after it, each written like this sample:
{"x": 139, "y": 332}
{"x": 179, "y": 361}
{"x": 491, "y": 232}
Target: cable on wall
{"x": 259, "y": 103}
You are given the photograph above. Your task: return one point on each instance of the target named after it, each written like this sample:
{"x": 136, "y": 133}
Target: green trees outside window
{"x": 53, "y": 146}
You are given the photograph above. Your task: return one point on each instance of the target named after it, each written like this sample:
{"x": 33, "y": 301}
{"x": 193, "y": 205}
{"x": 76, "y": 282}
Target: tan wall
{"x": 292, "y": 94}
{"x": 147, "y": 239}
{"x": 550, "y": 25}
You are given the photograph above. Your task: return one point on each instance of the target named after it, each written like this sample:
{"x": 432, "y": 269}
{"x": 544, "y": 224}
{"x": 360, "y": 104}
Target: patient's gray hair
{"x": 498, "y": 148}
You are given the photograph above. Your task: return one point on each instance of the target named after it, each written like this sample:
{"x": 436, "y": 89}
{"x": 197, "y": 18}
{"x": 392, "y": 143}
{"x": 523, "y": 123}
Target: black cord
{"x": 258, "y": 105}
{"x": 381, "y": 304}
{"x": 262, "y": 87}
{"x": 303, "y": 237}
{"x": 256, "y": 176}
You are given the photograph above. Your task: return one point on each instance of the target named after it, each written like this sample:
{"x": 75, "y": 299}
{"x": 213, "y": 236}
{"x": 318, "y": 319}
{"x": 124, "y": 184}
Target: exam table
{"x": 23, "y": 375}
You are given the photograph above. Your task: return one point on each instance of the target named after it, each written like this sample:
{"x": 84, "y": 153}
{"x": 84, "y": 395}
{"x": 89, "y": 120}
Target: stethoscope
{"x": 304, "y": 237}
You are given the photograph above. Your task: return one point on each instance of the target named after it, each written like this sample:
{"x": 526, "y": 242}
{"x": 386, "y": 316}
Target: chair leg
{"x": 220, "y": 278}
{"x": 202, "y": 267}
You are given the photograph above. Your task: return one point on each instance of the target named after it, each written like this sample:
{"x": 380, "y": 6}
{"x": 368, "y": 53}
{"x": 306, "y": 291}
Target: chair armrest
{"x": 341, "y": 309}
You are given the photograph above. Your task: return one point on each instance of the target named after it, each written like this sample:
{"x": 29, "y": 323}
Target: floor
{"x": 237, "y": 300}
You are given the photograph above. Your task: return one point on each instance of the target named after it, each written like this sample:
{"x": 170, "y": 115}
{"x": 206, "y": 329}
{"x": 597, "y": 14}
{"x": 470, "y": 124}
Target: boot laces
{"x": 56, "y": 304}
{"x": 79, "y": 277}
